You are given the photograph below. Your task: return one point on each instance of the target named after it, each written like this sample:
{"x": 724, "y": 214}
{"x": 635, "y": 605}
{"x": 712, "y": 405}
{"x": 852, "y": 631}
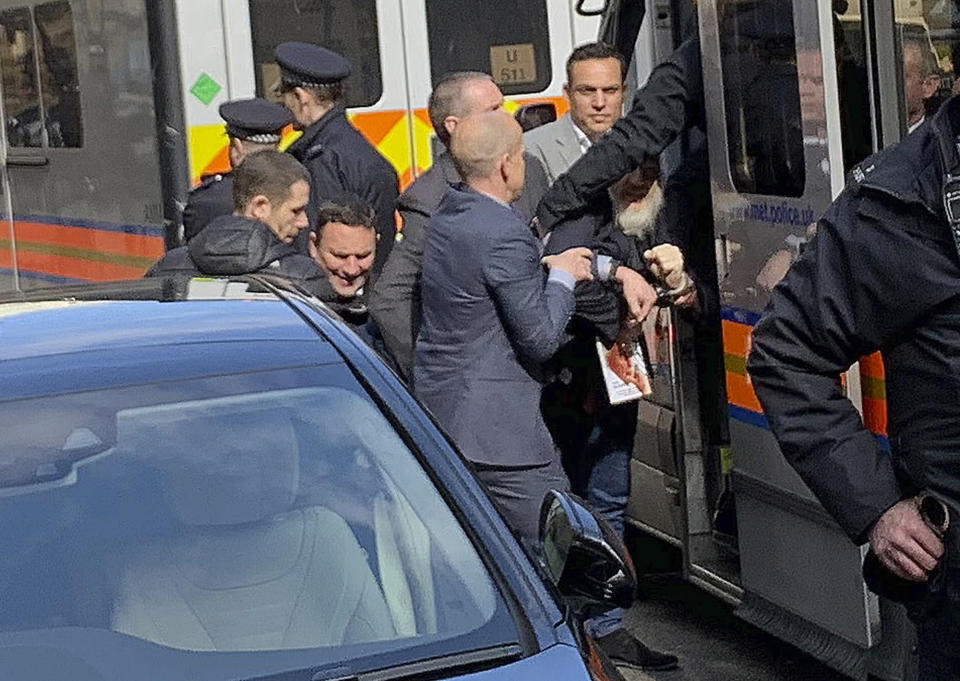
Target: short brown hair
{"x": 267, "y": 173}
{"x": 597, "y": 50}
{"x": 347, "y": 210}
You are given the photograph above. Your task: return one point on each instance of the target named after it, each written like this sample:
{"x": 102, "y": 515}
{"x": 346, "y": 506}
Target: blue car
{"x": 218, "y": 481}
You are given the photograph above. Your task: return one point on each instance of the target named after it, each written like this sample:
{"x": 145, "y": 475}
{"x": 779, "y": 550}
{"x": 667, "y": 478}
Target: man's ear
{"x": 504, "y": 165}
{"x": 313, "y": 245}
{"x": 235, "y": 152}
{"x": 450, "y": 123}
{"x": 258, "y": 208}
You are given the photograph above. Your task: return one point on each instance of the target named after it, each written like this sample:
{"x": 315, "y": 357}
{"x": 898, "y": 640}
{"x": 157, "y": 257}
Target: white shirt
{"x": 582, "y": 138}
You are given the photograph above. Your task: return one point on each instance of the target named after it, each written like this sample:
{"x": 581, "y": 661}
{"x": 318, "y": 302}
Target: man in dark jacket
{"x": 340, "y": 159}
{"x": 595, "y": 437}
{"x": 490, "y": 319}
{"x": 396, "y": 296}
{"x": 252, "y": 125}
{"x": 882, "y": 273}
{"x": 270, "y": 195}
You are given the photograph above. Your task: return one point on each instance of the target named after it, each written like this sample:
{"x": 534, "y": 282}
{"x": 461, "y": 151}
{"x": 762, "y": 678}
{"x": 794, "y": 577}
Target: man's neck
{"x": 584, "y": 134}
{"x": 496, "y": 191}
{"x": 318, "y": 111}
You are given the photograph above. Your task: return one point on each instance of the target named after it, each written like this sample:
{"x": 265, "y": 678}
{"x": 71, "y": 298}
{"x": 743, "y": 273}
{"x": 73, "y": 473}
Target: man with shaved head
{"x": 395, "y": 303}
{"x": 490, "y": 317}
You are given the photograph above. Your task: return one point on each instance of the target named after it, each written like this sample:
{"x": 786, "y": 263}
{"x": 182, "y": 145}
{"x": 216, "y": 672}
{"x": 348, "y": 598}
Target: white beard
{"x": 640, "y": 219}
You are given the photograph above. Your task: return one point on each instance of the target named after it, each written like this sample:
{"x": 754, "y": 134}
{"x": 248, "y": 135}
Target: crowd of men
{"x": 520, "y": 251}
{"x": 476, "y": 305}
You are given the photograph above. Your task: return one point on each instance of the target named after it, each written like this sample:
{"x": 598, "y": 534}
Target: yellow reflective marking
{"x": 726, "y": 460}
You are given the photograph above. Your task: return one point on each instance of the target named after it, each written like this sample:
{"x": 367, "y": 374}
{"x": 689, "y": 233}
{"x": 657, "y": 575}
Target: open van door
{"x": 776, "y": 163}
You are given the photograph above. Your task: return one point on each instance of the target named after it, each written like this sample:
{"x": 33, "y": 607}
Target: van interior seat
{"x": 247, "y": 571}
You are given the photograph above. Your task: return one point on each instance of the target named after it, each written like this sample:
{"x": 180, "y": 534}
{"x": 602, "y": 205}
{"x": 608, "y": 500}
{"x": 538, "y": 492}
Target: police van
{"x": 110, "y": 106}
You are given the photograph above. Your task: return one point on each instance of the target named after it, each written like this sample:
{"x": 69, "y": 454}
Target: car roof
{"x": 115, "y": 335}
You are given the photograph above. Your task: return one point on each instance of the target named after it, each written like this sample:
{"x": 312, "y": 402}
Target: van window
{"x": 759, "y": 58}
{"x": 58, "y": 74}
{"x": 506, "y": 38}
{"x": 927, "y": 39}
{"x": 21, "y": 96}
{"x": 42, "y": 60}
{"x": 348, "y": 27}
{"x": 855, "y": 120}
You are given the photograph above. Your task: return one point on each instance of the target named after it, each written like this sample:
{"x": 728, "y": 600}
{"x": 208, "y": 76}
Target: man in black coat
{"x": 252, "y": 125}
{"x": 882, "y": 273}
{"x": 595, "y": 437}
{"x": 270, "y": 193}
{"x": 340, "y": 160}
{"x": 396, "y": 296}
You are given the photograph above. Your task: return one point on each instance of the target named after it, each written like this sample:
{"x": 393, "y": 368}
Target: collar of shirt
{"x": 916, "y": 125}
{"x": 582, "y": 138}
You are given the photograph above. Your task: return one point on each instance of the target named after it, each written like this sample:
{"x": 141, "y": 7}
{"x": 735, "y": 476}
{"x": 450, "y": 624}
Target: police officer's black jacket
{"x": 882, "y": 273}
{"x": 233, "y": 245}
{"x": 341, "y": 161}
{"x": 213, "y": 198}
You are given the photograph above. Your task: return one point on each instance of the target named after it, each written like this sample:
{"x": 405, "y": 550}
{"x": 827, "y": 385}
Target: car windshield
{"x": 225, "y": 528}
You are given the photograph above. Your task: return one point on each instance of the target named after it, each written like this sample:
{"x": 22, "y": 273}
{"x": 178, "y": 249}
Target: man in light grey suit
{"x": 595, "y": 89}
{"x": 490, "y": 318}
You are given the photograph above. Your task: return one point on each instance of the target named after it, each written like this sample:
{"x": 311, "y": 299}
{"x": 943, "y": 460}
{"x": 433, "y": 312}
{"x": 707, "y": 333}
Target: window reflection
{"x": 58, "y": 74}
{"x": 764, "y": 128}
{"x": 21, "y": 99}
{"x": 348, "y": 27}
{"x": 35, "y": 61}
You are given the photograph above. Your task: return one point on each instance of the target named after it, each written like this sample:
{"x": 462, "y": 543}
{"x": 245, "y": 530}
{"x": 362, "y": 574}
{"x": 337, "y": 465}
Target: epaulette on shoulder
{"x": 208, "y": 181}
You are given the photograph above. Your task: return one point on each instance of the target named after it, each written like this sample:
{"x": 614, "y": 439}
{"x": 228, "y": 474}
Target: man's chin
{"x": 347, "y": 291}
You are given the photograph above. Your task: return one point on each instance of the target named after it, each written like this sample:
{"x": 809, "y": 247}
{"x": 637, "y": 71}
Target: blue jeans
{"x": 601, "y": 475}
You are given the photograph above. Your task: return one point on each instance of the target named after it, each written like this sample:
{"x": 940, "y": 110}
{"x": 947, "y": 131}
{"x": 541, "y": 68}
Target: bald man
{"x": 491, "y": 315}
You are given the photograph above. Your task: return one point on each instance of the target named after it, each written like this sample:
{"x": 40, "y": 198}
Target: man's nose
{"x": 598, "y": 100}
{"x": 352, "y": 267}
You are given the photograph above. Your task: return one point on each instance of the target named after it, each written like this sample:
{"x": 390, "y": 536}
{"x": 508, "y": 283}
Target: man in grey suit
{"x": 491, "y": 318}
{"x": 595, "y": 89}
{"x": 395, "y": 303}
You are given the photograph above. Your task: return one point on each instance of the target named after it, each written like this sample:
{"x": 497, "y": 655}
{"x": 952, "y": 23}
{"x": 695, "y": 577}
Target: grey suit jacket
{"x": 395, "y": 303}
{"x": 555, "y": 145}
{"x": 490, "y": 319}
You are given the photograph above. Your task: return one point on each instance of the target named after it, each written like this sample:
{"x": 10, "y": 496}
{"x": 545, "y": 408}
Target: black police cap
{"x": 256, "y": 120}
{"x": 305, "y": 65}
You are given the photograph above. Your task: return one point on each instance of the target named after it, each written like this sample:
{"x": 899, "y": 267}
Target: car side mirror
{"x": 584, "y": 557}
{"x": 534, "y": 115}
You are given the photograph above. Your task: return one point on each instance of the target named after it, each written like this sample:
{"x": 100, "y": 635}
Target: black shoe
{"x": 626, "y": 651}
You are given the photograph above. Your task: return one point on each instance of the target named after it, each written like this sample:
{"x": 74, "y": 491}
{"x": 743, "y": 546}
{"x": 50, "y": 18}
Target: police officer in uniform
{"x": 340, "y": 160}
{"x": 252, "y": 125}
{"x": 882, "y": 273}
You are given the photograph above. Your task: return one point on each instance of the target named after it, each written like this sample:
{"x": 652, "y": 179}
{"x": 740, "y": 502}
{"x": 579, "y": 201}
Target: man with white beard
{"x": 633, "y": 242}
{"x": 595, "y": 437}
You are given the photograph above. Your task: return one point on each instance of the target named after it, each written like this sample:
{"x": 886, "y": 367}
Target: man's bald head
{"x": 480, "y": 142}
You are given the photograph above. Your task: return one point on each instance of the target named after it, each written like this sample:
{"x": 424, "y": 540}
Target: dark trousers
{"x": 938, "y": 639}
{"x": 518, "y": 493}
{"x": 939, "y": 644}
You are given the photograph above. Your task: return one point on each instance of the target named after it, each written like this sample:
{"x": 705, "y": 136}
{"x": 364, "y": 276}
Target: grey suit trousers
{"x": 518, "y": 493}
